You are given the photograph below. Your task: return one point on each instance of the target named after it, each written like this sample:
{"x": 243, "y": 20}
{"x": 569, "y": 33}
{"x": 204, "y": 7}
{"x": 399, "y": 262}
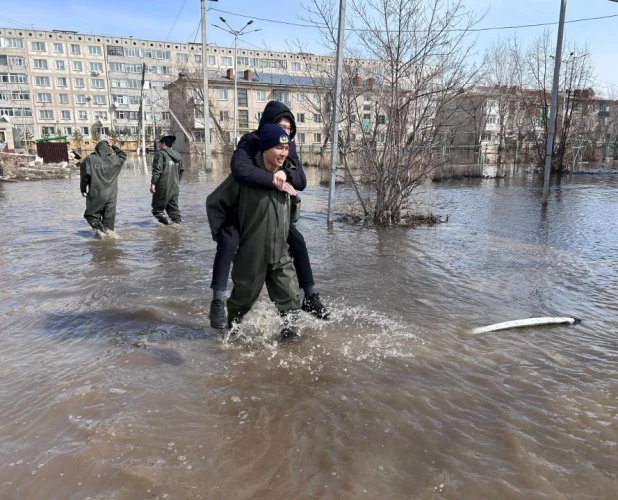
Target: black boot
{"x": 98, "y": 226}
{"x": 289, "y": 331}
{"x": 162, "y": 219}
{"x": 313, "y": 305}
{"x": 218, "y": 318}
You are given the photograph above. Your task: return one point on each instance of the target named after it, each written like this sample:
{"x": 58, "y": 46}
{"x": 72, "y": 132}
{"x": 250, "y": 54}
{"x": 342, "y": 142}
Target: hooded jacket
{"x": 167, "y": 169}
{"x": 99, "y": 175}
{"x": 243, "y": 166}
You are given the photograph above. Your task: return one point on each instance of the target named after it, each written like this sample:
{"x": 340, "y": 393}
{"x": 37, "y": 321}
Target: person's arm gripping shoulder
{"x": 243, "y": 165}
{"x": 294, "y": 170}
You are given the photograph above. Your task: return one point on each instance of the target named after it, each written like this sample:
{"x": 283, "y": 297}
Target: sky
{"x": 281, "y": 26}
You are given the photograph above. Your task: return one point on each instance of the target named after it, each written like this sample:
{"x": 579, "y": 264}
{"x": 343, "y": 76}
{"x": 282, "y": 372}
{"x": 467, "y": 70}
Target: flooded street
{"x": 113, "y": 385}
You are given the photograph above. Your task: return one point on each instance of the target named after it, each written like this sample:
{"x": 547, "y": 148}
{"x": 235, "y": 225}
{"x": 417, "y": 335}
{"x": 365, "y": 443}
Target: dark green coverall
{"x": 264, "y": 219}
{"x": 99, "y": 180}
{"x": 167, "y": 169}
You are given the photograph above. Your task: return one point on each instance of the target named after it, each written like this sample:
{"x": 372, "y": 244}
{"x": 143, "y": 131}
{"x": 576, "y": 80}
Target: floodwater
{"x": 113, "y": 386}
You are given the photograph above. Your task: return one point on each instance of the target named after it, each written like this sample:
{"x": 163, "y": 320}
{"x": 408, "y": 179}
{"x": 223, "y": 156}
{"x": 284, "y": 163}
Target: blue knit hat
{"x": 272, "y": 135}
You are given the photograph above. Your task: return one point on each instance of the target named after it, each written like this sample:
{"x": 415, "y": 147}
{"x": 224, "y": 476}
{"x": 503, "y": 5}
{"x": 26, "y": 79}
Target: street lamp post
{"x": 551, "y": 126}
{"x": 236, "y": 34}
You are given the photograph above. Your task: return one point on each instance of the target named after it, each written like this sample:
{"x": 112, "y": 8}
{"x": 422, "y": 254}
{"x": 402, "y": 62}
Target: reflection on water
{"x": 114, "y": 386}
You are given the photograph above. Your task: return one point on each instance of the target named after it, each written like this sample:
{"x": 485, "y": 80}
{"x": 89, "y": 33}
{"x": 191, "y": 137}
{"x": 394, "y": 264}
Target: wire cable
{"x": 493, "y": 28}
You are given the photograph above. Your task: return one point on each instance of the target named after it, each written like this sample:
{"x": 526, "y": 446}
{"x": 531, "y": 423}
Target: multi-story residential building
{"x": 300, "y": 94}
{"x": 63, "y": 82}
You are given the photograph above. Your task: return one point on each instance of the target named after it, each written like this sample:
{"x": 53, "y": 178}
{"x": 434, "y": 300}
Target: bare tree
{"x": 574, "y": 88}
{"x": 394, "y": 109}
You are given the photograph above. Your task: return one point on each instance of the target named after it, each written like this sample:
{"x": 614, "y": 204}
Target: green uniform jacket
{"x": 167, "y": 169}
{"x": 99, "y": 177}
{"x": 264, "y": 219}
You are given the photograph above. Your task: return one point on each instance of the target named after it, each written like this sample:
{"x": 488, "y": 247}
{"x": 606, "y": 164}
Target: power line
{"x": 175, "y": 20}
{"x": 16, "y": 23}
{"x": 493, "y": 28}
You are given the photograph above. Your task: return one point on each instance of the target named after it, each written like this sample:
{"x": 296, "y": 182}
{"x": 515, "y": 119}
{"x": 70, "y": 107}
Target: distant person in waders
{"x": 167, "y": 169}
{"x": 99, "y": 184}
{"x": 244, "y": 171}
{"x": 263, "y": 218}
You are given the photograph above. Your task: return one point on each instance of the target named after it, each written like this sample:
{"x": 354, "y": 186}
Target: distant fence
{"x": 52, "y": 152}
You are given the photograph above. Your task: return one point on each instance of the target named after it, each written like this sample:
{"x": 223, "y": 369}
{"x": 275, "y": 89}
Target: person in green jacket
{"x": 263, "y": 218}
{"x": 99, "y": 185}
{"x": 167, "y": 169}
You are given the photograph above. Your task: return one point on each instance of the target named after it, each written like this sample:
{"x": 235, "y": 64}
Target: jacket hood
{"x": 273, "y": 112}
{"x": 174, "y": 155}
{"x": 102, "y": 149}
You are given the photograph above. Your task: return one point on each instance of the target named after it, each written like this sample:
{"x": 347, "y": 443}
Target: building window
{"x": 48, "y": 131}
{"x": 381, "y": 137}
{"x": 182, "y": 58}
{"x": 67, "y": 131}
{"x": 99, "y": 99}
{"x": 226, "y": 61}
{"x": 79, "y": 83}
{"x": 58, "y": 48}
{"x": 301, "y": 138}
{"x": 300, "y": 117}
{"x": 300, "y": 98}
{"x": 96, "y": 67}
{"x": 77, "y": 66}
{"x": 282, "y": 96}
{"x": 40, "y": 63}
{"x": 12, "y": 60}
{"x": 197, "y": 58}
{"x": 224, "y": 116}
{"x": 82, "y": 115}
{"x": 382, "y": 119}
{"x": 317, "y": 118}
{"x": 242, "y": 61}
{"x": 80, "y": 99}
{"x": 212, "y": 60}
{"x": 243, "y": 118}
{"x": 317, "y": 138}
{"x": 260, "y": 96}
{"x": 115, "y": 50}
{"x": 41, "y": 81}
{"x": 75, "y": 49}
{"x": 116, "y": 66}
{"x": 165, "y": 116}
{"x": 46, "y": 114}
{"x": 61, "y": 81}
{"x": 60, "y": 65}
{"x": 84, "y": 131}
{"x": 13, "y": 43}
{"x": 63, "y": 98}
{"x": 13, "y": 78}
{"x": 242, "y": 98}
{"x": 295, "y": 66}
{"x": 120, "y": 115}
{"x": 97, "y": 83}
{"x": 94, "y": 50}
{"x": 486, "y": 136}
{"x": 43, "y": 97}
{"x": 101, "y": 115}
{"x": 66, "y": 115}
{"x": 38, "y": 46}
{"x": 222, "y": 94}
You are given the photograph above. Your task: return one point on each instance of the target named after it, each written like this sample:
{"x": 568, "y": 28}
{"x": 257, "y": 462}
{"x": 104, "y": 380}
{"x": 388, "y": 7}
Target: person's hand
{"x": 288, "y": 188}
{"x": 152, "y": 188}
{"x": 279, "y": 179}
{"x": 84, "y": 194}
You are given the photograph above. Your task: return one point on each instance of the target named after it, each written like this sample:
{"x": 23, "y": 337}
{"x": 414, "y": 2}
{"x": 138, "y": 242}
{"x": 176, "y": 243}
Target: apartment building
{"x": 63, "y": 82}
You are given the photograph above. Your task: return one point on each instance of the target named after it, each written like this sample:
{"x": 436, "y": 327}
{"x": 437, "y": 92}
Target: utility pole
{"x": 154, "y": 120}
{"x": 551, "y": 126}
{"x": 207, "y": 159}
{"x": 334, "y": 154}
{"x": 143, "y": 112}
{"x": 236, "y": 34}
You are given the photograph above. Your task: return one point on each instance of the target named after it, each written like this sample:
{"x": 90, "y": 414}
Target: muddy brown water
{"x": 113, "y": 386}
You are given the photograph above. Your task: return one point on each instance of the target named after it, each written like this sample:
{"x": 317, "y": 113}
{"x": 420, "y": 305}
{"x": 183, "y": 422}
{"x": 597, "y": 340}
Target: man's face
{"x": 274, "y": 158}
{"x": 162, "y": 146}
{"x": 286, "y": 125}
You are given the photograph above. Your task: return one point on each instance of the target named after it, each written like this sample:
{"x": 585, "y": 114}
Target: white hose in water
{"x": 525, "y": 322}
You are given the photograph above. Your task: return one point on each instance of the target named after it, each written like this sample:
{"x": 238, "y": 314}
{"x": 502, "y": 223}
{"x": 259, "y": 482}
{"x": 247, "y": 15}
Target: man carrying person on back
{"x": 263, "y": 218}
{"x": 244, "y": 170}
